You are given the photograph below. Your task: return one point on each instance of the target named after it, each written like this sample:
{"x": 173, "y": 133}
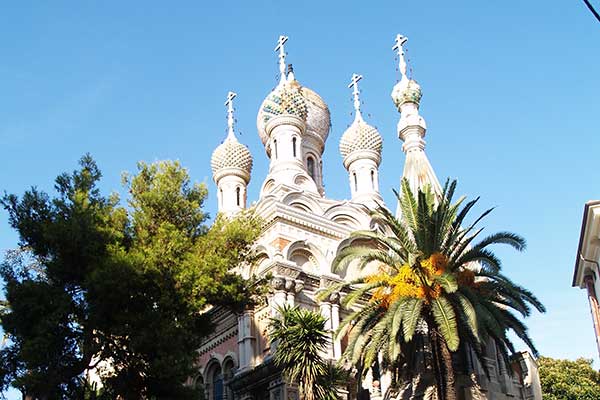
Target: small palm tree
{"x": 430, "y": 274}
{"x": 301, "y": 343}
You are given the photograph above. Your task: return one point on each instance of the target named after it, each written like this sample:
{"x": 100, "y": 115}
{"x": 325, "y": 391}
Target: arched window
{"x": 303, "y": 259}
{"x": 355, "y": 181}
{"x": 217, "y": 384}
{"x": 228, "y": 367}
{"x": 237, "y": 196}
{"x": 199, "y": 387}
{"x": 294, "y": 146}
{"x": 221, "y": 197}
{"x": 310, "y": 166}
{"x": 373, "y": 179}
{"x": 275, "y": 148}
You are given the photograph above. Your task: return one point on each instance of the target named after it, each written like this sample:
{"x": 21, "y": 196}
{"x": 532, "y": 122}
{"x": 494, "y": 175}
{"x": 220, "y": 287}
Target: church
{"x": 304, "y": 230}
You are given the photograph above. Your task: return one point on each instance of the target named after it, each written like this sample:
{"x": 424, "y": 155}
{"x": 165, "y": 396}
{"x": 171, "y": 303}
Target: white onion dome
{"x": 291, "y": 98}
{"x": 318, "y": 120}
{"x": 406, "y": 91}
{"x": 360, "y": 140}
{"x": 232, "y": 156}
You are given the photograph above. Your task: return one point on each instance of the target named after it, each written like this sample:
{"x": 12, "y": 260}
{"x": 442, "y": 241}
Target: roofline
{"x": 586, "y": 209}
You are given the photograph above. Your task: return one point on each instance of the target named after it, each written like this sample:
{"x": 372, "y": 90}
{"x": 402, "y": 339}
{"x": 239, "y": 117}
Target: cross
{"x": 229, "y": 104}
{"x": 281, "y": 50}
{"x": 398, "y": 46}
{"x": 355, "y": 92}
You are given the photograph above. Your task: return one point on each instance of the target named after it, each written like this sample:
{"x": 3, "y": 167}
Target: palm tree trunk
{"x": 437, "y": 367}
{"x": 306, "y": 390}
{"x": 449, "y": 381}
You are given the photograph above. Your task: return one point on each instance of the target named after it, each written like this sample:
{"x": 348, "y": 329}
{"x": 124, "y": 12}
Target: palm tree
{"x": 301, "y": 342}
{"x": 434, "y": 286}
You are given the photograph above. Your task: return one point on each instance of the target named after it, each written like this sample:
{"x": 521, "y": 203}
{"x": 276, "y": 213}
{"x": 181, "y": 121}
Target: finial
{"x": 290, "y": 73}
{"x": 229, "y": 104}
{"x": 355, "y": 93}
{"x": 280, "y": 48}
{"x": 398, "y": 46}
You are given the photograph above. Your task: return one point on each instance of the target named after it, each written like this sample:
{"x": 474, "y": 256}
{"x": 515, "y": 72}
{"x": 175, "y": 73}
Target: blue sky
{"x": 511, "y": 99}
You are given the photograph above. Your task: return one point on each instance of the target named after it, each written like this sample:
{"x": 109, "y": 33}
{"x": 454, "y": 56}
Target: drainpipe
{"x": 593, "y": 300}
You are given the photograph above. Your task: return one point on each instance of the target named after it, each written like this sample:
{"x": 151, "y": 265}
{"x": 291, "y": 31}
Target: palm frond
{"x": 408, "y": 204}
{"x": 448, "y": 282}
{"x": 411, "y": 314}
{"x": 512, "y": 239}
{"x": 445, "y": 319}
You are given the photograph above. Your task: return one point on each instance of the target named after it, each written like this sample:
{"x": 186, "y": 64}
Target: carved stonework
{"x": 334, "y": 297}
{"x": 287, "y": 271}
{"x": 289, "y": 284}
{"x": 278, "y": 283}
{"x": 299, "y": 286}
{"x": 325, "y": 282}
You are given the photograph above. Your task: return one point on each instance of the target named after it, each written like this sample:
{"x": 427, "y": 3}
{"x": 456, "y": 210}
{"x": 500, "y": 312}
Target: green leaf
{"x": 469, "y": 313}
{"x": 446, "y": 320}
{"x": 411, "y": 315}
{"x": 448, "y": 282}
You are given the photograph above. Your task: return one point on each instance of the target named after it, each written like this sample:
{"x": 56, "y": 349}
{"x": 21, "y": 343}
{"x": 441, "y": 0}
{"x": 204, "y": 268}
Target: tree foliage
{"x": 568, "y": 380}
{"x": 119, "y": 288}
{"x": 302, "y": 341}
{"x": 434, "y": 283}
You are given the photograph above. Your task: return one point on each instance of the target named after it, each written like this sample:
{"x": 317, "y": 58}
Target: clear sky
{"x": 510, "y": 95}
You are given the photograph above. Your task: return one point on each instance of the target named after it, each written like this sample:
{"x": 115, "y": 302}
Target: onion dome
{"x": 360, "y": 136}
{"x": 231, "y": 156}
{"x": 318, "y": 120}
{"x": 406, "y": 91}
{"x": 291, "y": 98}
{"x": 285, "y": 99}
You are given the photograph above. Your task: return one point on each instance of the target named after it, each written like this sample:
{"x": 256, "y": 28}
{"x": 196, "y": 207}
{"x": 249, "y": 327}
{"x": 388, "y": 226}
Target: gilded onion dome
{"x": 406, "y": 91}
{"x": 291, "y": 98}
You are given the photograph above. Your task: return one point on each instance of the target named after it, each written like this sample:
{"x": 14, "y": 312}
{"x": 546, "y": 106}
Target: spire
{"x": 399, "y": 48}
{"x": 411, "y": 128}
{"x": 230, "y": 120}
{"x": 355, "y": 94}
{"x": 281, "y": 49}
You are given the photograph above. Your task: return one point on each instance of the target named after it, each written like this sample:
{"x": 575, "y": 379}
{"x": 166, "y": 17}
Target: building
{"x": 305, "y": 229}
{"x": 587, "y": 269}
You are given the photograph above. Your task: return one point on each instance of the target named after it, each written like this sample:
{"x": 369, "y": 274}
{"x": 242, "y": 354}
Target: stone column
{"x": 290, "y": 291}
{"x": 335, "y": 323}
{"x": 246, "y": 339}
{"x": 278, "y": 301}
{"x": 279, "y": 297}
{"x": 325, "y": 307}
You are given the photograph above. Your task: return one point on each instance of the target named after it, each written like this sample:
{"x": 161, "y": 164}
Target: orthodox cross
{"x": 281, "y": 50}
{"x": 229, "y": 104}
{"x": 355, "y": 92}
{"x": 398, "y": 47}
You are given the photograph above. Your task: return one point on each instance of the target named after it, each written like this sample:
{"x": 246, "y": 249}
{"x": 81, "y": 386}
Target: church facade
{"x": 304, "y": 230}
